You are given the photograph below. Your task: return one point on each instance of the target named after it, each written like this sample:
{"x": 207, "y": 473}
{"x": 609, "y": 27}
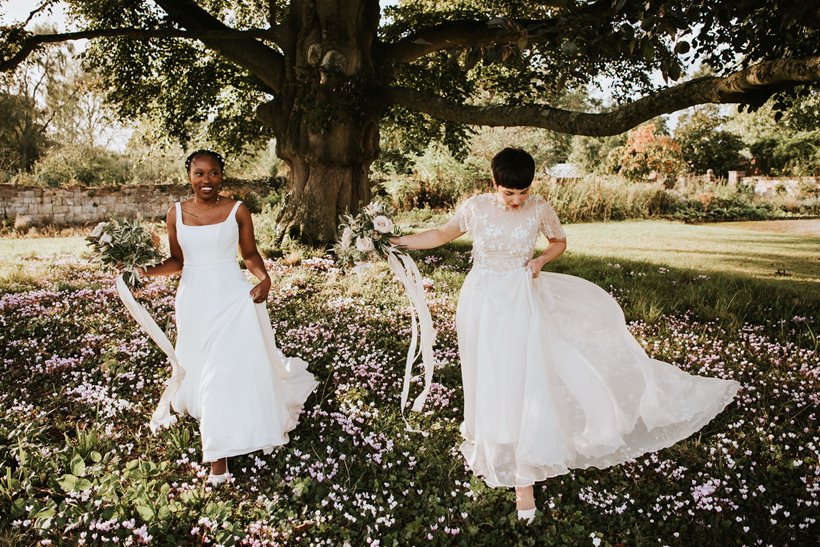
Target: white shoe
{"x": 527, "y": 515}
{"x": 214, "y": 480}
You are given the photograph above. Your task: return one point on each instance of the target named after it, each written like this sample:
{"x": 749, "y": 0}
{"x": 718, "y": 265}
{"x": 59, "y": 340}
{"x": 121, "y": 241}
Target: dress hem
{"x": 563, "y": 468}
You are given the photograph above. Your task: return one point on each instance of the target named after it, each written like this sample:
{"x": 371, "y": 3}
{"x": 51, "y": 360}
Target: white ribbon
{"x": 162, "y": 416}
{"x": 408, "y": 273}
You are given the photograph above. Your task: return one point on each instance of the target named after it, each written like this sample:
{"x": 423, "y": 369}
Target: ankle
{"x": 219, "y": 467}
{"x": 524, "y": 498}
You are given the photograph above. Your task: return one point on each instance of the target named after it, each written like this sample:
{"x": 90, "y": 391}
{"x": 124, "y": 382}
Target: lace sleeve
{"x": 463, "y": 217}
{"x": 548, "y": 223}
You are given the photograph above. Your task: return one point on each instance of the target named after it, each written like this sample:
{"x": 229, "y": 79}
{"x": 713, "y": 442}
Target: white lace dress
{"x": 553, "y": 380}
{"x": 245, "y": 393}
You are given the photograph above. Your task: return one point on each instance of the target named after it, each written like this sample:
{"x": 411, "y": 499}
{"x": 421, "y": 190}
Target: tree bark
{"x": 326, "y": 133}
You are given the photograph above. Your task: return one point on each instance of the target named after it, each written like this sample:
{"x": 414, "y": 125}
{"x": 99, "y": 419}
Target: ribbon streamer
{"x": 408, "y": 273}
{"x": 162, "y": 416}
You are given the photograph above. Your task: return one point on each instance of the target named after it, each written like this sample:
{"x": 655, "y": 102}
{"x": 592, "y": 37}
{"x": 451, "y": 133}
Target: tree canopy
{"x": 322, "y": 76}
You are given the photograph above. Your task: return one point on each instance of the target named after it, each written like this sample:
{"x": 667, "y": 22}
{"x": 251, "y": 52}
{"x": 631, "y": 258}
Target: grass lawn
{"x": 789, "y": 251}
{"x": 79, "y": 380}
{"x": 734, "y": 247}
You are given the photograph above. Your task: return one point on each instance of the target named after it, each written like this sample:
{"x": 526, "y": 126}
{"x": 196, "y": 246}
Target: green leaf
{"x": 145, "y": 512}
{"x": 68, "y": 483}
{"x": 682, "y": 47}
{"x": 46, "y": 512}
{"x": 648, "y": 51}
{"x": 77, "y": 465}
{"x": 164, "y": 513}
{"x": 18, "y": 507}
{"x": 96, "y": 457}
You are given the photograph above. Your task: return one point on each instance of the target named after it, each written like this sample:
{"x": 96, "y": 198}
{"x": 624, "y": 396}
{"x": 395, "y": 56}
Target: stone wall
{"x": 30, "y": 205}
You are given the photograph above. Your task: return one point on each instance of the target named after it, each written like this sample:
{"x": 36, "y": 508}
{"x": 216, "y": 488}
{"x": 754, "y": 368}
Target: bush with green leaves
{"x": 85, "y": 165}
{"x": 705, "y": 145}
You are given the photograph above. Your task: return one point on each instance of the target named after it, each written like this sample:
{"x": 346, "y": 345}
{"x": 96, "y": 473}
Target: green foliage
{"x": 704, "y": 145}
{"x": 795, "y": 154}
{"x": 22, "y": 134}
{"x": 592, "y": 153}
{"x": 89, "y": 166}
{"x": 180, "y": 85}
{"x": 439, "y": 181}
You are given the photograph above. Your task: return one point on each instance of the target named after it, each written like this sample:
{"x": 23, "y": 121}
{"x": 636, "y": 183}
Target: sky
{"x": 18, "y": 10}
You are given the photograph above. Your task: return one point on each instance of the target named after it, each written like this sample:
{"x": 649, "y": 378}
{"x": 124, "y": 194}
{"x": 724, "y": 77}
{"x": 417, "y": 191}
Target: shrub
{"x": 86, "y": 165}
{"x": 646, "y": 152}
{"x": 704, "y": 146}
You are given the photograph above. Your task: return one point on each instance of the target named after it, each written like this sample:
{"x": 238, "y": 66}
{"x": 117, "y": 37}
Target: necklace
{"x": 211, "y": 208}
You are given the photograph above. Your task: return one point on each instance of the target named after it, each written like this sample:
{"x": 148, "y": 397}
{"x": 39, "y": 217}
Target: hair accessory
{"x": 204, "y": 152}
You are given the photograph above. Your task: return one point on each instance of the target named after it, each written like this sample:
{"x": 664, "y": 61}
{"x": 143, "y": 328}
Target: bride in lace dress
{"x": 553, "y": 380}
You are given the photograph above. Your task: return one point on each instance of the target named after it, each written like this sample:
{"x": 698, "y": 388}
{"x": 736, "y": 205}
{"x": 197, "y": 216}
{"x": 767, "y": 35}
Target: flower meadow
{"x": 79, "y": 381}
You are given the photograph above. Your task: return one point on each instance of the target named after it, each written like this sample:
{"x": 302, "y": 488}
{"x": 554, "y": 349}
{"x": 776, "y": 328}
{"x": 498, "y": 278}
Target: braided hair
{"x": 204, "y": 152}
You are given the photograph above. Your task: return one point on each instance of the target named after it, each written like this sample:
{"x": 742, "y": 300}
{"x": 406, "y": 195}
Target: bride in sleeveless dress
{"x": 244, "y": 392}
{"x": 553, "y": 380}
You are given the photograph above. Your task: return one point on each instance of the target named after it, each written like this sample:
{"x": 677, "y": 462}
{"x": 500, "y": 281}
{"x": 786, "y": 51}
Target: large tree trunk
{"x": 326, "y": 133}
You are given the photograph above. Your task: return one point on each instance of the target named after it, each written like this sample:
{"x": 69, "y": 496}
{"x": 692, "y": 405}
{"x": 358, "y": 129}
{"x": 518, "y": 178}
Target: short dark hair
{"x": 513, "y": 168}
{"x": 204, "y": 152}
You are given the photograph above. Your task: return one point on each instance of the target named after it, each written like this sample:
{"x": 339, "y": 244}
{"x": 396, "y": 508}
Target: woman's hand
{"x": 260, "y": 292}
{"x": 535, "y": 265}
{"x": 141, "y": 272}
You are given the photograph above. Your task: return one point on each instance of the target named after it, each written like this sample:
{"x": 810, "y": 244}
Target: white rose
{"x": 347, "y": 235}
{"x": 364, "y": 244}
{"x": 105, "y": 239}
{"x": 373, "y": 208}
{"x": 98, "y": 229}
{"x": 382, "y": 224}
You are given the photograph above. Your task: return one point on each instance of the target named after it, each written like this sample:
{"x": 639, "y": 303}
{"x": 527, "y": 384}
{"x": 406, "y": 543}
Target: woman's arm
{"x": 172, "y": 264}
{"x": 250, "y": 254}
{"x": 429, "y": 239}
{"x": 555, "y": 248}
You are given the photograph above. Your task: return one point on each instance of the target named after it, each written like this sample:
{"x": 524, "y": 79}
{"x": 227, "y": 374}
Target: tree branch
{"x": 754, "y": 84}
{"x": 472, "y": 33}
{"x": 33, "y": 42}
{"x": 264, "y": 62}
{"x": 466, "y": 33}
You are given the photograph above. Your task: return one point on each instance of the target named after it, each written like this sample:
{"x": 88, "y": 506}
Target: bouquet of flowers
{"x": 127, "y": 243}
{"x": 366, "y": 234}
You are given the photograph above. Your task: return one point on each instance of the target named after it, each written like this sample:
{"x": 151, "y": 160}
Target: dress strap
{"x": 178, "y": 220}
{"x": 235, "y": 209}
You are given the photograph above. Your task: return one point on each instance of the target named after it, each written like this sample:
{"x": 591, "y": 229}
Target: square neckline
{"x": 231, "y": 214}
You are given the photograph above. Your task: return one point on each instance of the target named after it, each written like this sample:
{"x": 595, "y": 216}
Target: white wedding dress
{"x": 553, "y": 380}
{"x": 245, "y": 393}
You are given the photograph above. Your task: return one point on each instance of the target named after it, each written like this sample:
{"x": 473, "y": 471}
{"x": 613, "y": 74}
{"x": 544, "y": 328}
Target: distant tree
{"x": 590, "y": 153}
{"x": 22, "y": 134}
{"x": 24, "y": 117}
{"x": 781, "y": 145}
{"x": 705, "y": 144}
{"x": 646, "y": 153}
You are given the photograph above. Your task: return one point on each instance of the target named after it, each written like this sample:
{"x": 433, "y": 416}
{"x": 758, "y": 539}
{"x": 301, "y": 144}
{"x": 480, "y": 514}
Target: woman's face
{"x": 511, "y": 197}
{"x": 205, "y": 176}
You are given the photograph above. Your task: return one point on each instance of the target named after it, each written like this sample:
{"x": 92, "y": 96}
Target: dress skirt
{"x": 554, "y": 381}
{"x": 245, "y": 393}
